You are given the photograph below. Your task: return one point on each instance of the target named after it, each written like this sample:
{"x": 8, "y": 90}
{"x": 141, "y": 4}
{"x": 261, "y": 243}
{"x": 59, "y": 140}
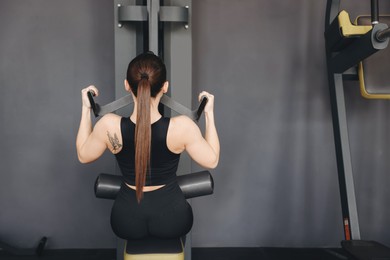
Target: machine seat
{"x": 154, "y": 249}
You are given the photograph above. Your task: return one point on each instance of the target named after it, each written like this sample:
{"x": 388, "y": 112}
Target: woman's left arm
{"x": 90, "y": 143}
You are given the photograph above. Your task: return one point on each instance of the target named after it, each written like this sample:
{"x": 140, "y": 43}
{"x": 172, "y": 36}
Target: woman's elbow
{"x": 82, "y": 158}
{"x": 212, "y": 164}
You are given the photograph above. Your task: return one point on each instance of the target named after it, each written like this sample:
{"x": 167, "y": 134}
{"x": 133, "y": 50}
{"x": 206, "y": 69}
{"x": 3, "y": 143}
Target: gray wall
{"x": 49, "y": 51}
{"x": 276, "y": 184}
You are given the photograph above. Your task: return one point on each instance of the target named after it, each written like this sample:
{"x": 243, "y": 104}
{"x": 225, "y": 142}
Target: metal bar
{"x": 126, "y": 46}
{"x": 174, "y": 14}
{"x": 153, "y": 10}
{"x": 374, "y": 12}
{"x": 340, "y": 132}
{"x": 343, "y": 155}
{"x": 132, "y": 13}
{"x": 332, "y": 10}
{"x": 178, "y": 59}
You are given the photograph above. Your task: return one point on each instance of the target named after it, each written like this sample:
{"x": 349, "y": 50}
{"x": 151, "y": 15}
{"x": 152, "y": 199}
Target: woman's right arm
{"x": 203, "y": 150}
{"x": 90, "y": 142}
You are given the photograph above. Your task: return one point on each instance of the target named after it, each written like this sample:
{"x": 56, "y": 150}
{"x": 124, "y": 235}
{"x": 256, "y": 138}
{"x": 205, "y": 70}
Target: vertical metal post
{"x": 332, "y": 10}
{"x": 173, "y": 44}
{"x": 153, "y": 11}
{"x": 340, "y": 131}
{"x": 374, "y": 12}
{"x": 127, "y": 45}
{"x": 178, "y": 58}
{"x": 343, "y": 156}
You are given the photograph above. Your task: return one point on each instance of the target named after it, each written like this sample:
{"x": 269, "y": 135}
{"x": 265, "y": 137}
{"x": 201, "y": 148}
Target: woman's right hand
{"x": 210, "y": 103}
{"x": 84, "y": 95}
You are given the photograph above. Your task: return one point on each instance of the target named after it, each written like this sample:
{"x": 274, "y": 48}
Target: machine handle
{"x": 201, "y": 107}
{"x": 94, "y": 106}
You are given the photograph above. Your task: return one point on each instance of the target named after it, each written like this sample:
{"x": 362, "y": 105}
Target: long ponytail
{"x": 146, "y": 75}
{"x": 142, "y": 136}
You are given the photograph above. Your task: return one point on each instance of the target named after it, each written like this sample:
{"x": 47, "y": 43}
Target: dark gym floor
{"x": 67, "y": 254}
{"x": 199, "y": 254}
{"x": 268, "y": 254}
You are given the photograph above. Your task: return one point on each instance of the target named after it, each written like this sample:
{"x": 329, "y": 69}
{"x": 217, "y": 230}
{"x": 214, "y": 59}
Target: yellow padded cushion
{"x": 350, "y": 30}
{"x": 156, "y": 256}
{"x": 179, "y": 256}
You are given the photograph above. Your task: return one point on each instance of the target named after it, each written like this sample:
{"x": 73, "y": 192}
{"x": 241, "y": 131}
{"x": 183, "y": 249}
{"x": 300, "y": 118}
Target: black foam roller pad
{"x": 107, "y": 186}
{"x": 193, "y": 185}
{"x": 196, "y": 184}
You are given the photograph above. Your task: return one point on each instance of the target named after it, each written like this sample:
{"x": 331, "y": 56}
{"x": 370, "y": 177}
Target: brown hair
{"x": 146, "y": 75}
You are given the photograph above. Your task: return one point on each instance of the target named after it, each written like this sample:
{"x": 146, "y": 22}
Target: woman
{"x": 147, "y": 147}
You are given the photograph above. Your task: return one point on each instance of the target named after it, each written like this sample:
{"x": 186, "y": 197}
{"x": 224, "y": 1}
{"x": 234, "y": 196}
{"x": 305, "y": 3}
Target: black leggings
{"x": 163, "y": 213}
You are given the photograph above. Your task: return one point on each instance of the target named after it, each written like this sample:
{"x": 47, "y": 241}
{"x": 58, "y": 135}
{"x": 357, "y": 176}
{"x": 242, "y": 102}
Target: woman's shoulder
{"x": 110, "y": 117}
{"x": 108, "y": 121}
{"x": 182, "y": 121}
{"x": 183, "y": 124}
{"x": 181, "y": 129}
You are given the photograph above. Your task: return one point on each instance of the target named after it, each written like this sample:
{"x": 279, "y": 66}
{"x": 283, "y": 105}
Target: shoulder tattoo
{"x": 114, "y": 141}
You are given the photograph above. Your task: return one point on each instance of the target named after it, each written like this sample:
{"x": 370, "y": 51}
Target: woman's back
{"x": 163, "y": 162}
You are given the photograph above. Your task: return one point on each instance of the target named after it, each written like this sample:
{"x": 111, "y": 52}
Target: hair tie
{"x": 144, "y": 76}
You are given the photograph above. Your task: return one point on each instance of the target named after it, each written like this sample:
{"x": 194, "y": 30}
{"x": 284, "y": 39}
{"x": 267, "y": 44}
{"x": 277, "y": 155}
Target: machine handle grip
{"x": 201, "y": 107}
{"x": 90, "y": 95}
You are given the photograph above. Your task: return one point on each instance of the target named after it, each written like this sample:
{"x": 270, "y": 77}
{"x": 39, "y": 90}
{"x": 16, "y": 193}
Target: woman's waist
{"x": 152, "y": 182}
{"x": 151, "y": 179}
{"x": 154, "y": 189}
{"x": 146, "y": 188}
